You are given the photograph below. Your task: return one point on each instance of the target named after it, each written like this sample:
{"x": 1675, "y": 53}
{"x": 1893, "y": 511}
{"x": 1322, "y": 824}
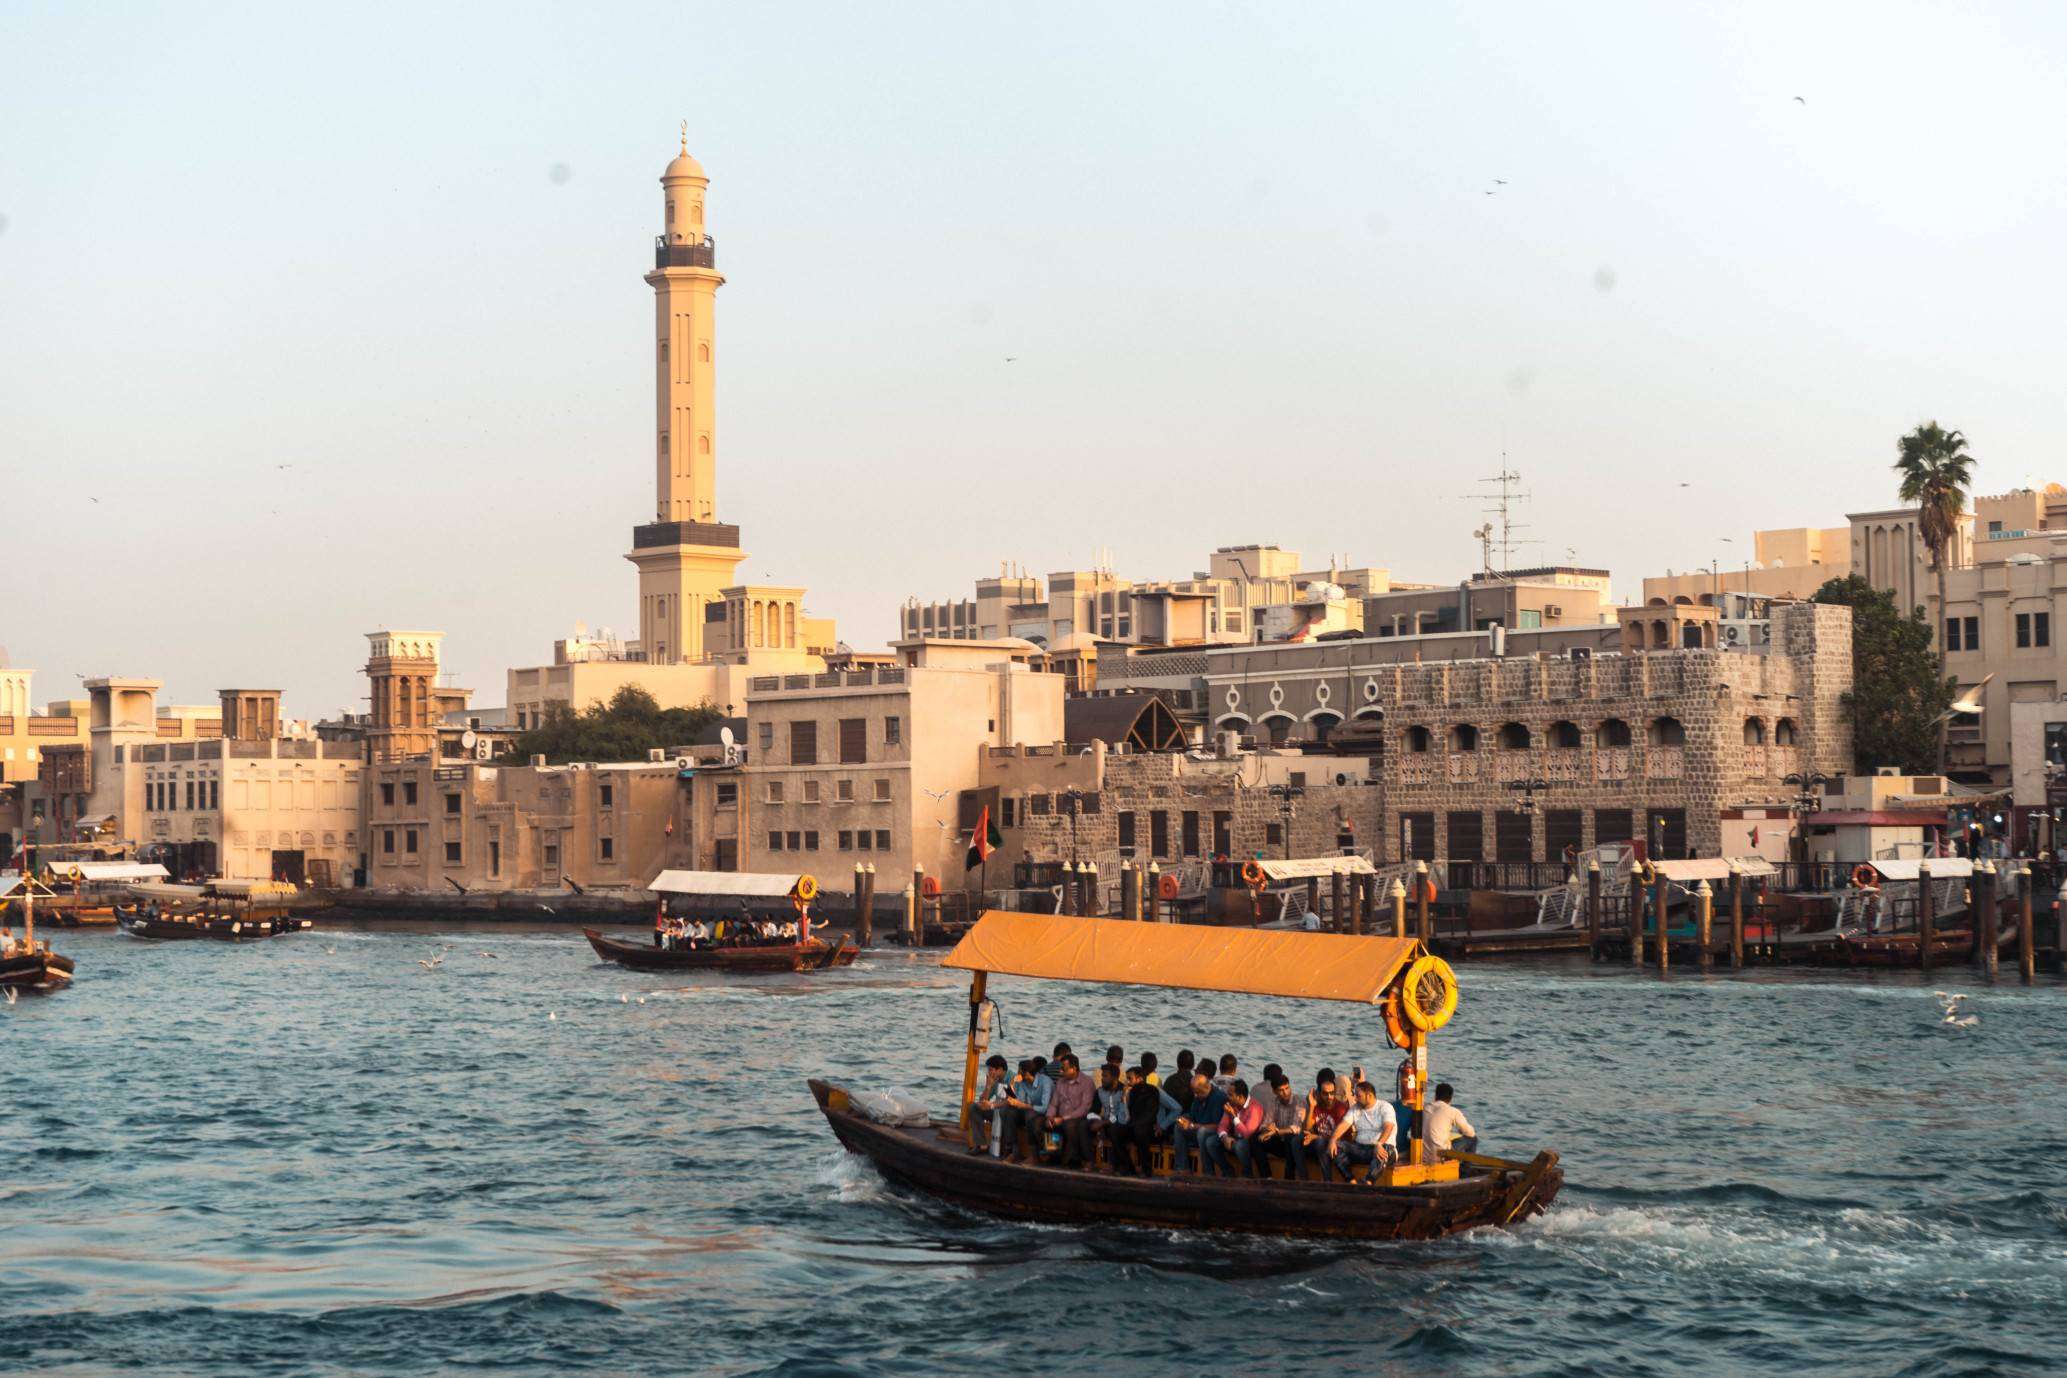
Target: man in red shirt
{"x": 1068, "y": 1103}
{"x": 1325, "y": 1108}
{"x": 1229, "y": 1150}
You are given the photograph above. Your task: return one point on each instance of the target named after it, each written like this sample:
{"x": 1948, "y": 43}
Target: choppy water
{"x": 288, "y": 1159}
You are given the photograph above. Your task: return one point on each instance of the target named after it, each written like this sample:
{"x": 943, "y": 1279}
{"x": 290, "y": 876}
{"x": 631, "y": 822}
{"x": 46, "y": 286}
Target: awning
{"x": 1247, "y": 961}
{"x": 1712, "y": 868}
{"x": 749, "y": 884}
{"x": 1315, "y": 868}
{"x": 1877, "y": 818}
{"x": 252, "y": 889}
{"x": 9, "y": 883}
{"x": 1904, "y": 868}
{"x": 110, "y": 870}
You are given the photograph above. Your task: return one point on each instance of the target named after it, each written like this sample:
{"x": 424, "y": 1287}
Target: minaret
{"x": 685, "y": 555}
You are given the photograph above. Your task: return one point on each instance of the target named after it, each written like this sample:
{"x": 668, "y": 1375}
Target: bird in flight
{"x": 1498, "y": 182}
{"x": 1011, "y": 358}
{"x": 1799, "y": 101}
{"x": 939, "y": 794}
{"x": 1969, "y": 702}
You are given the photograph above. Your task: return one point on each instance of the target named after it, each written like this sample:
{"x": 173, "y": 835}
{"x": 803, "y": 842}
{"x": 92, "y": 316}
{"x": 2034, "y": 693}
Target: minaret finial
{"x": 685, "y": 136}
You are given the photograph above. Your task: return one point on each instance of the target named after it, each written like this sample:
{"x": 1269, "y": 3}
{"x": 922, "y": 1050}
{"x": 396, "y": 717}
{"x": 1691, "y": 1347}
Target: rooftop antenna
{"x": 1502, "y": 509}
{"x": 1484, "y": 537}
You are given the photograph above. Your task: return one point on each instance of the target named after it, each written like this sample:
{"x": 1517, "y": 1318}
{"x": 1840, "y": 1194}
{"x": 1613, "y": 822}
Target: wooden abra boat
{"x": 226, "y": 928}
{"x": 1416, "y": 991}
{"x": 25, "y": 963}
{"x": 811, "y": 954}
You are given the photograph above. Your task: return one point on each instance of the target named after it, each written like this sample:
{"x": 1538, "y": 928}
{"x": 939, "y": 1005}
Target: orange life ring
{"x": 1428, "y": 889}
{"x": 930, "y": 887}
{"x": 1166, "y": 887}
{"x": 1252, "y": 872}
{"x": 1865, "y": 877}
{"x": 1395, "y": 1017}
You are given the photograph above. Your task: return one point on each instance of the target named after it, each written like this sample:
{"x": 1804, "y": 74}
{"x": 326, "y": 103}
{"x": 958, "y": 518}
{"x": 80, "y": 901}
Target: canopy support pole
{"x": 976, "y": 984}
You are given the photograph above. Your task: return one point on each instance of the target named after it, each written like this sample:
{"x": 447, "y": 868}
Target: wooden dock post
{"x": 1593, "y": 906}
{"x": 2027, "y": 956}
{"x": 1152, "y": 893}
{"x": 1424, "y": 922}
{"x": 1399, "y": 907}
{"x": 861, "y": 906}
{"x": 1985, "y": 918}
{"x": 1736, "y": 918}
{"x": 1130, "y": 890}
{"x": 1926, "y": 916}
{"x": 912, "y": 901}
{"x": 2060, "y": 929}
{"x": 1313, "y": 895}
{"x": 1094, "y": 899}
{"x": 1704, "y": 924}
{"x": 1636, "y": 916}
{"x": 1336, "y": 889}
{"x": 1367, "y": 904}
{"x": 1661, "y": 901}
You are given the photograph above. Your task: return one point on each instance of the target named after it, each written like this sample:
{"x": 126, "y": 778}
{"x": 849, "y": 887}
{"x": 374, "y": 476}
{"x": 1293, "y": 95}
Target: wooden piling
{"x": 1636, "y": 918}
{"x": 2027, "y": 956}
{"x": 1926, "y": 915}
{"x": 1660, "y": 901}
{"x": 1337, "y": 887}
{"x": 1094, "y": 897}
{"x": 1593, "y": 905}
{"x": 1313, "y": 895}
{"x": 1424, "y": 921}
{"x": 1399, "y": 908}
{"x": 1704, "y": 922}
{"x": 1152, "y": 893}
{"x": 1367, "y": 904}
{"x": 862, "y": 900}
{"x": 1130, "y": 891}
{"x": 2060, "y": 930}
{"x": 1984, "y": 918}
{"x": 1736, "y": 919}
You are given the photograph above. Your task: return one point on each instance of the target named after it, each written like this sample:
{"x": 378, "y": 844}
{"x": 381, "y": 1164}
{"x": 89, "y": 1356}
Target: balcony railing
{"x": 671, "y": 254}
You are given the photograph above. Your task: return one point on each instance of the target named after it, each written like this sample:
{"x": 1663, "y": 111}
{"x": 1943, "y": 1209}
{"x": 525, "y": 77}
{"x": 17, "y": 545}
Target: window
{"x": 1512, "y": 836}
{"x": 1962, "y": 633}
{"x": 803, "y": 743}
{"x": 1615, "y": 733}
{"x": 1514, "y": 737}
{"x": 773, "y": 793}
{"x": 1561, "y": 834}
{"x": 843, "y": 791}
{"x": 452, "y": 854}
{"x": 387, "y": 793}
{"x": 882, "y": 839}
{"x": 893, "y": 731}
{"x": 846, "y": 840}
{"x": 215, "y": 794}
{"x": 2034, "y": 629}
{"x": 1754, "y": 732}
{"x": 606, "y": 848}
{"x": 494, "y": 857}
{"x": 767, "y": 736}
{"x": 1668, "y": 732}
{"x": 1464, "y": 737}
{"x": 774, "y": 842}
{"x": 1417, "y": 739}
{"x": 853, "y": 741}
{"x": 1297, "y": 779}
{"x": 865, "y": 839}
{"x": 190, "y": 794}
{"x": 1005, "y": 812}
{"x": 1274, "y": 834}
{"x": 409, "y": 841}
{"x": 1159, "y": 833}
{"x": 1783, "y": 732}
{"x": 1126, "y": 817}
{"x": 882, "y": 791}
{"x": 409, "y": 791}
{"x": 1611, "y": 825}
{"x": 1467, "y": 836}
{"x": 1188, "y": 826}
{"x": 1037, "y": 805}
{"x": 1564, "y": 735}
{"x": 603, "y": 797}
{"x": 810, "y": 791}
{"x": 452, "y": 803}
{"x": 387, "y": 840}
{"x": 810, "y": 841}
{"x": 728, "y": 796}
{"x": 551, "y": 856}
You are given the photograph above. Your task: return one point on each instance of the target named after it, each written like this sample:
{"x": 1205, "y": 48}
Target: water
{"x": 283, "y": 1159}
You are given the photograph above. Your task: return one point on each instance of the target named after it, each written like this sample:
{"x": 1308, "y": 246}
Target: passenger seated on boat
{"x": 1228, "y": 1069}
{"x": 1369, "y": 1130}
{"x": 1148, "y": 1070}
{"x": 1325, "y": 1108}
{"x": 1281, "y": 1134}
{"x": 1149, "y": 1111}
{"x": 1110, "y": 1119}
{"x": 1178, "y": 1083}
{"x": 985, "y": 1107}
{"x": 1444, "y": 1126}
{"x": 1069, "y": 1103}
{"x": 1032, "y": 1108}
{"x": 1232, "y": 1146}
{"x": 1200, "y": 1120}
{"x": 1116, "y": 1058}
{"x": 696, "y": 933}
{"x": 1017, "y": 1113}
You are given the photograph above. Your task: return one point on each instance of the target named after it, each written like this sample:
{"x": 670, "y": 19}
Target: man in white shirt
{"x": 1442, "y": 1124}
{"x": 1370, "y": 1128}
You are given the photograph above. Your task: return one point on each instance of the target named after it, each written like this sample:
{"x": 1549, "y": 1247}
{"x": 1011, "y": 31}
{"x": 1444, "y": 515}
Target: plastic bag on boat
{"x": 895, "y": 1106}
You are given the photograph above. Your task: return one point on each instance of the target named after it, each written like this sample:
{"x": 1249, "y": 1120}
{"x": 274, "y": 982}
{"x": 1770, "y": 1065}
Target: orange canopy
{"x": 1248, "y": 961}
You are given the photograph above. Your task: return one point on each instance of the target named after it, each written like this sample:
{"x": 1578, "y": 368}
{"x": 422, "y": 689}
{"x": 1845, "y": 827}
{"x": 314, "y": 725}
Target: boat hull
{"x": 35, "y": 971}
{"x": 928, "y": 1160}
{"x": 815, "y": 955}
{"x": 216, "y": 929}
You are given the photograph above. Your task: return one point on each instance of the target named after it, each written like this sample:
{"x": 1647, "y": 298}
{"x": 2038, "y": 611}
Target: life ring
{"x": 1166, "y": 887}
{"x": 930, "y": 887}
{"x": 806, "y": 889}
{"x": 1428, "y": 889}
{"x": 1252, "y": 873}
{"x": 1428, "y": 994}
{"x": 1395, "y": 1020}
{"x": 1645, "y": 871}
{"x": 1865, "y": 877}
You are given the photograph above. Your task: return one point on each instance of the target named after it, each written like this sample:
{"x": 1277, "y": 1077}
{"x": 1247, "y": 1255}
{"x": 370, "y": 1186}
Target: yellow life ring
{"x": 1395, "y": 1020}
{"x": 1428, "y": 994}
{"x": 1645, "y": 871}
{"x": 806, "y": 889}
{"x": 1865, "y": 877}
{"x": 1252, "y": 872}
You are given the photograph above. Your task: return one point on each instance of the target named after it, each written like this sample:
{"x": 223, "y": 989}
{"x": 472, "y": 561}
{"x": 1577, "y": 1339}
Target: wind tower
{"x": 685, "y": 556}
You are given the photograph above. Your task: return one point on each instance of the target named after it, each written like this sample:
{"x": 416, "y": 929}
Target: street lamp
{"x": 1808, "y": 792}
{"x": 1287, "y": 795}
{"x": 1072, "y": 804}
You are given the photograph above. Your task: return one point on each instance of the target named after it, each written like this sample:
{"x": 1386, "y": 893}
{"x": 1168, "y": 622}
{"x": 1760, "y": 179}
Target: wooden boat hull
{"x": 218, "y": 928}
{"x": 1491, "y": 1194}
{"x": 35, "y": 971}
{"x": 816, "y": 955}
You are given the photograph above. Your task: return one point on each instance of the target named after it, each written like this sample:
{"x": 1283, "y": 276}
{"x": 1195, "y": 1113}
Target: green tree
{"x": 625, "y": 729}
{"x": 1936, "y": 471}
{"x": 1898, "y": 687}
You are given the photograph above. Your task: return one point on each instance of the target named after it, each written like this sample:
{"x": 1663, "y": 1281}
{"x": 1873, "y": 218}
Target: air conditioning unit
{"x": 1580, "y": 653}
{"x": 1341, "y": 777}
{"x": 1553, "y": 610}
{"x": 683, "y": 763}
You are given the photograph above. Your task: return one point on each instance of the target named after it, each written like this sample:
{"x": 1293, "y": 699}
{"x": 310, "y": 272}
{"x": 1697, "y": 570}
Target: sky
{"x": 318, "y": 320}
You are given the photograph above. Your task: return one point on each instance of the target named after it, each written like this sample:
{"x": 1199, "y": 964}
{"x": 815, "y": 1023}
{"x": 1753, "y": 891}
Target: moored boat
{"x": 1417, "y": 992}
{"x": 27, "y": 964}
{"x": 814, "y": 954}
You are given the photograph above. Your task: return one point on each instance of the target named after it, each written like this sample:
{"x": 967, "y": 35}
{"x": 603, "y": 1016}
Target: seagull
{"x": 1969, "y": 702}
{"x": 1498, "y": 183}
{"x": 484, "y": 952}
{"x": 1492, "y": 193}
{"x": 548, "y": 908}
{"x": 1966, "y": 1023}
{"x": 11, "y": 995}
{"x": 624, "y": 1000}
{"x": 938, "y": 794}
{"x": 552, "y": 1014}
{"x": 1799, "y": 101}
{"x": 331, "y": 951}
{"x": 1011, "y": 358}
{"x": 642, "y": 999}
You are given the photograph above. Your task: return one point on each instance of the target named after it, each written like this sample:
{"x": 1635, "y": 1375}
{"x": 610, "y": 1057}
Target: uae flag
{"x": 983, "y": 840}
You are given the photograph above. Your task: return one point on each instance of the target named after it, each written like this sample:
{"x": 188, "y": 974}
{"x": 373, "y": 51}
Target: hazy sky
{"x": 1243, "y": 256}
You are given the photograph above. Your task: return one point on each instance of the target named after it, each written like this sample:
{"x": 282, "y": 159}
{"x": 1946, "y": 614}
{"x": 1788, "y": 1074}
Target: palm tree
{"x": 1936, "y": 471}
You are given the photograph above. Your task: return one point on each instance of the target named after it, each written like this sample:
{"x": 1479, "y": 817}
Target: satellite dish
{"x": 725, "y": 738}
{"x": 467, "y": 739}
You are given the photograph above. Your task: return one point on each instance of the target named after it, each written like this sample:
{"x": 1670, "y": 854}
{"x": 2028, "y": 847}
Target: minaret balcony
{"x": 670, "y": 253}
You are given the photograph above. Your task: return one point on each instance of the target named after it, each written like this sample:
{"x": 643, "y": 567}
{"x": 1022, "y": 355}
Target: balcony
{"x": 669, "y": 254}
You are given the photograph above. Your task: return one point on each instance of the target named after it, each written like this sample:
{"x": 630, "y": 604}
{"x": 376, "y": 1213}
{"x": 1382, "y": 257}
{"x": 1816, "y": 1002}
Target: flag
{"x": 1754, "y": 838}
{"x": 983, "y": 840}
{"x": 669, "y": 830}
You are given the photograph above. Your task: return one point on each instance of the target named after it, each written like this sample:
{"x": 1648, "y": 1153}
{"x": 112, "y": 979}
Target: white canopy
{"x": 748, "y": 884}
{"x": 1315, "y": 868}
{"x": 10, "y": 882}
{"x": 1942, "y": 867}
{"x": 1713, "y": 868}
{"x": 110, "y": 870}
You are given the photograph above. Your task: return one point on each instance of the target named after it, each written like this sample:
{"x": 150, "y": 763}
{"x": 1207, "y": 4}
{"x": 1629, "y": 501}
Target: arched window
{"x": 1614, "y": 732}
{"x": 703, "y": 444}
{"x": 1564, "y": 735}
{"x": 1464, "y": 737}
{"x": 703, "y": 352}
{"x": 1323, "y": 725}
{"x": 789, "y": 624}
{"x": 1690, "y": 636}
{"x": 1417, "y": 738}
{"x": 1783, "y": 732}
{"x": 1279, "y": 727}
{"x": 1668, "y": 732}
{"x": 1681, "y": 601}
{"x": 1754, "y": 732}
{"x": 1660, "y": 636}
{"x": 670, "y": 210}
{"x": 1636, "y": 636}
{"x": 1514, "y": 737}
{"x": 1654, "y": 603}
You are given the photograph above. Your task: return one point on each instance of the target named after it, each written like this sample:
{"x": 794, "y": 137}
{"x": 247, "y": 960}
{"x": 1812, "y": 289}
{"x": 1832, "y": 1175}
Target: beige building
{"x": 1790, "y": 563}
{"x": 1520, "y": 600}
{"x": 24, "y": 732}
{"x": 868, "y": 765}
